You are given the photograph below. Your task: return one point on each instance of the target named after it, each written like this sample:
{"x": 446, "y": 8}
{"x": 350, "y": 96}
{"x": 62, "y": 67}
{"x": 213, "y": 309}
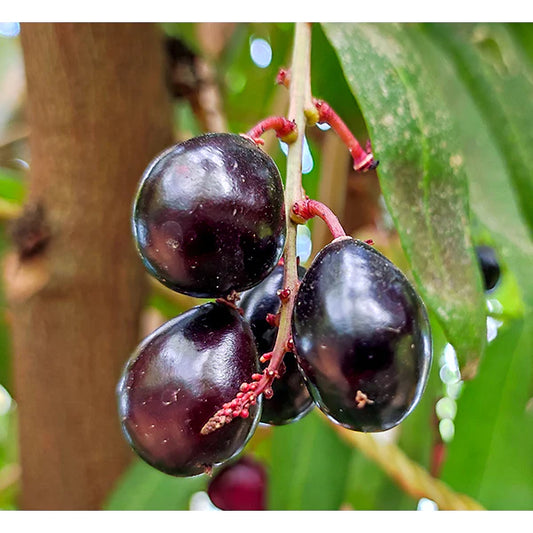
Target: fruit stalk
{"x": 299, "y": 93}
{"x": 306, "y": 209}
{"x": 362, "y": 160}
{"x": 284, "y": 128}
{"x": 410, "y": 476}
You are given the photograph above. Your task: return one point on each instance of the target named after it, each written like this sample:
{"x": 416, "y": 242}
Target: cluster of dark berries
{"x": 209, "y": 221}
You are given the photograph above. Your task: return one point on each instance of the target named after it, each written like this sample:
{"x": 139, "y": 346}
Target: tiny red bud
{"x": 266, "y": 357}
{"x": 290, "y": 344}
{"x": 284, "y": 294}
{"x": 273, "y": 320}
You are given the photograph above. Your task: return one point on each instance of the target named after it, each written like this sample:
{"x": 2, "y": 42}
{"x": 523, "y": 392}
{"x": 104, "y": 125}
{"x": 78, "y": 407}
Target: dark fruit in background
{"x": 291, "y": 400}
{"x": 177, "y": 378}
{"x": 490, "y": 267}
{"x": 361, "y": 331}
{"x": 209, "y": 216}
{"x": 239, "y": 486}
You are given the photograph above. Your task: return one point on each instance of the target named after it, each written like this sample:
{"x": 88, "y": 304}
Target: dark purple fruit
{"x": 291, "y": 400}
{"x": 239, "y": 486}
{"x": 490, "y": 267}
{"x": 209, "y": 216}
{"x": 362, "y": 337}
{"x": 177, "y": 378}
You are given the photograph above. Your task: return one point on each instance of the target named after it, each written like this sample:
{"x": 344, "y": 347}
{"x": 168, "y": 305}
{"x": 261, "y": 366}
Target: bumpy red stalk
{"x": 249, "y": 392}
{"x": 306, "y": 209}
{"x": 362, "y": 160}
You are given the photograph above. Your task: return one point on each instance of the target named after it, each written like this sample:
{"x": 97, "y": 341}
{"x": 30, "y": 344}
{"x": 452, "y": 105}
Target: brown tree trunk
{"x": 98, "y": 112}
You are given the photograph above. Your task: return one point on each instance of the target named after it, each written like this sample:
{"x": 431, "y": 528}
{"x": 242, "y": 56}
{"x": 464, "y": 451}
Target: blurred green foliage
{"x": 448, "y": 110}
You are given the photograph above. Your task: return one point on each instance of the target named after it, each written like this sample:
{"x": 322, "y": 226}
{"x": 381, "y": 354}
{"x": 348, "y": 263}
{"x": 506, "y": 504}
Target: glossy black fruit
{"x": 362, "y": 337}
{"x": 177, "y": 378}
{"x": 209, "y": 216}
{"x": 239, "y": 486}
{"x": 490, "y": 267}
{"x": 291, "y": 400}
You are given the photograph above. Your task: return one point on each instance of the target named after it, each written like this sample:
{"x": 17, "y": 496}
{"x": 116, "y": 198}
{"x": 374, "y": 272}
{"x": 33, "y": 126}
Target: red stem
{"x": 306, "y": 209}
{"x": 362, "y": 160}
{"x": 285, "y": 129}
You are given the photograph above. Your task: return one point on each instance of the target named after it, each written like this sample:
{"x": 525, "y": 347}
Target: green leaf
{"x": 498, "y": 72}
{"x": 421, "y": 173}
{"x": 309, "y": 465}
{"x": 490, "y": 456}
{"x": 145, "y": 488}
{"x": 491, "y": 185}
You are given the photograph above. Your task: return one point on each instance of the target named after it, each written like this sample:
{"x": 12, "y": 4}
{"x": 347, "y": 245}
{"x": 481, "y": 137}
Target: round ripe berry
{"x": 209, "y": 216}
{"x": 239, "y": 486}
{"x": 177, "y": 378}
{"x": 291, "y": 400}
{"x": 362, "y": 337}
{"x": 490, "y": 267}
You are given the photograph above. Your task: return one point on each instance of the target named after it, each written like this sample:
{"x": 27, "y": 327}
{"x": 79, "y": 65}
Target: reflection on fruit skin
{"x": 177, "y": 378}
{"x": 209, "y": 216}
{"x": 362, "y": 337}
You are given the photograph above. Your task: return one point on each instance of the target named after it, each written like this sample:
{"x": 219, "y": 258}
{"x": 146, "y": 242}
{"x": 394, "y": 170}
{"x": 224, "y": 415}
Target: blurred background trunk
{"x": 98, "y": 112}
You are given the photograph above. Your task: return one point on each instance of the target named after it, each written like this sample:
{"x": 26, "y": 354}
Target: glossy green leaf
{"x": 143, "y": 488}
{"x": 490, "y": 456}
{"x": 309, "y": 465}
{"x": 421, "y": 173}
{"x": 499, "y": 74}
{"x": 491, "y": 184}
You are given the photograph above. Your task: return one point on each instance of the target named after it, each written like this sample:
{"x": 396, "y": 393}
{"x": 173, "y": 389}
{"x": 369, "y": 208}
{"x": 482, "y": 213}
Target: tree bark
{"x": 98, "y": 113}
